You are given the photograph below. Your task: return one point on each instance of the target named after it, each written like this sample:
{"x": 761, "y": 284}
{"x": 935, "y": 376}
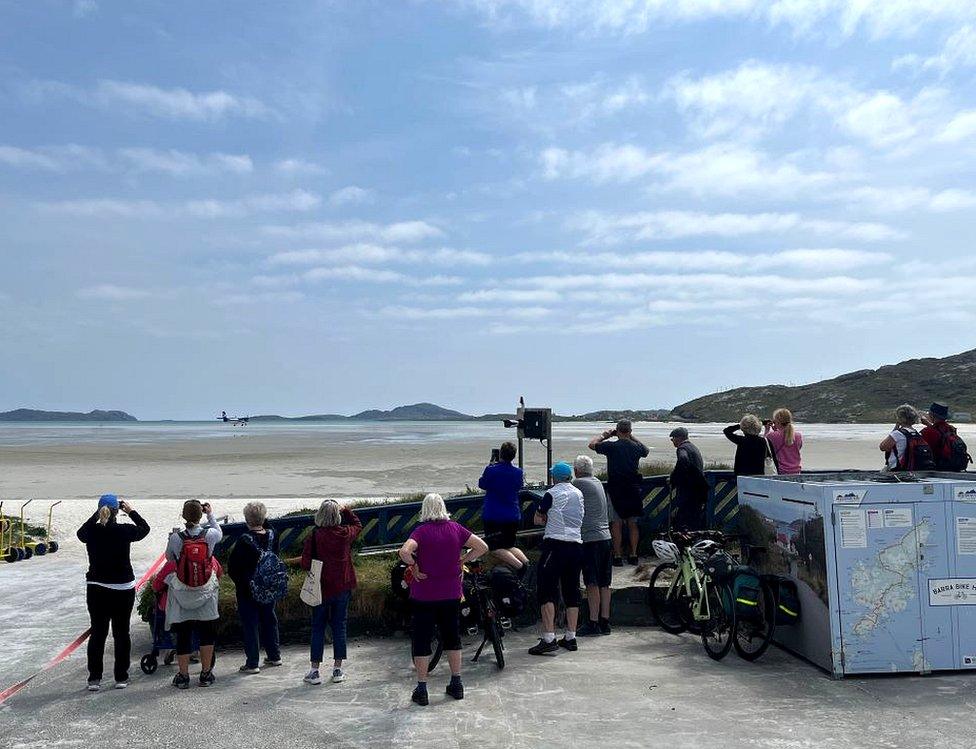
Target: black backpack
{"x": 507, "y": 591}
{"x": 953, "y": 453}
{"x": 918, "y": 455}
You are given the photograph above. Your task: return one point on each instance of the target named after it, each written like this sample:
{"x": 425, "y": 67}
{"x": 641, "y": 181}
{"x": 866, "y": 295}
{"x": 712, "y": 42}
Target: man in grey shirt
{"x": 597, "y": 548}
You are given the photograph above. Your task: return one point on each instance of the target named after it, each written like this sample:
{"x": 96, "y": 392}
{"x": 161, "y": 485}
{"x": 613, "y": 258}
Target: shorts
{"x": 627, "y": 500}
{"x": 445, "y": 615}
{"x": 500, "y": 535}
{"x": 559, "y": 569}
{"x": 597, "y": 563}
{"x": 206, "y": 633}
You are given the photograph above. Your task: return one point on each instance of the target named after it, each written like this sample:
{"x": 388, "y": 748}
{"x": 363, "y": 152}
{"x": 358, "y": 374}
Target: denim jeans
{"x": 332, "y": 611}
{"x": 259, "y": 624}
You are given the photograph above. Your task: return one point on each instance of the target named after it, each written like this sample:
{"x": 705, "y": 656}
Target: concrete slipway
{"x": 636, "y": 688}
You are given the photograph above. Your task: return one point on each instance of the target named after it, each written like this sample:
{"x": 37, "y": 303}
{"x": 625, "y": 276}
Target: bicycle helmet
{"x": 703, "y": 549}
{"x": 665, "y": 550}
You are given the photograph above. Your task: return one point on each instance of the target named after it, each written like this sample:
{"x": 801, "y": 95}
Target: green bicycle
{"x": 684, "y": 598}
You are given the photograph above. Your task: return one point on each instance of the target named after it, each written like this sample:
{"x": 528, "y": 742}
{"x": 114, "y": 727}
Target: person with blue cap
{"x": 111, "y": 589}
{"x": 561, "y": 512}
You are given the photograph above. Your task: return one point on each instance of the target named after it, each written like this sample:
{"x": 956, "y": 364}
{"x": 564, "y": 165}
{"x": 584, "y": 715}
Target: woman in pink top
{"x": 785, "y": 441}
{"x": 434, "y": 553}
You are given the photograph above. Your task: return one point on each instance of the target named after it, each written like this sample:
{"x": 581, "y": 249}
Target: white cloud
{"x": 82, "y": 8}
{"x": 451, "y": 313}
{"x": 299, "y": 166}
{"x": 353, "y": 231}
{"x": 959, "y": 51}
{"x": 177, "y": 103}
{"x": 609, "y": 228}
{"x": 959, "y": 128}
{"x": 53, "y": 158}
{"x": 901, "y": 199}
{"x": 264, "y": 297}
{"x": 720, "y": 169}
{"x": 297, "y": 200}
{"x": 112, "y": 293}
{"x": 363, "y": 253}
{"x": 182, "y": 164}
{"x": 375, "y": 275}
{"x": 712, "y": 260}
{"x": 28, "y": 158}
{"x": 879, "y": 18}
{"x": 515, "y": 296}
{"x": 351, "y": 195}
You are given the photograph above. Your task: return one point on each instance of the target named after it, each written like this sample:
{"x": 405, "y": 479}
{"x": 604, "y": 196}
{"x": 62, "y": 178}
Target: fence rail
{"x": 389, "y": 524}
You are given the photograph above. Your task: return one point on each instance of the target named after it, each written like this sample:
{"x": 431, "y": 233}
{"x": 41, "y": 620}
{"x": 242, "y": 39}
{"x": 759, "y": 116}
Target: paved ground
{"x": 636, "y": 688}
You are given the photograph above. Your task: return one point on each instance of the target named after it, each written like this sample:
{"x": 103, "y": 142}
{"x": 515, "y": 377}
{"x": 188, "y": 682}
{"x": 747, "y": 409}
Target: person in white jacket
{"x": 193, "y": 610}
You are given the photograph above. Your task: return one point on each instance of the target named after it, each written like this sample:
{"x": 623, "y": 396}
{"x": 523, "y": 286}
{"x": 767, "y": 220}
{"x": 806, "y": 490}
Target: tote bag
{"x": 769, "y": 465}
{"x": 312, "y": 587}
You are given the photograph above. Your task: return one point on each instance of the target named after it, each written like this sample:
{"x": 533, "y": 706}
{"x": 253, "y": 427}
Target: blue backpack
{"x": 269, "y": 583}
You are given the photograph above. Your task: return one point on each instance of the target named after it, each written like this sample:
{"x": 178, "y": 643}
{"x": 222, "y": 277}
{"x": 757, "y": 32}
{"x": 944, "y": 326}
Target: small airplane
{"x": 237, "y": 421}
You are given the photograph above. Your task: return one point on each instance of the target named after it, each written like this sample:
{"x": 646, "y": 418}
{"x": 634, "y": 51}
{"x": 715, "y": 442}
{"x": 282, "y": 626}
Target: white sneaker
{"x": 338, "y": 676}
{"x": 245, "y": 669}
{"x": 121, "y": 684}
{"x": 312, "y": 677}
{"x": 94, "y": 686}
{"x": 268, "y": 662}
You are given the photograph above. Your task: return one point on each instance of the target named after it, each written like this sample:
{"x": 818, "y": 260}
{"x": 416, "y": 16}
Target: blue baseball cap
{"x": 561, "y": 471}
{"x": 109, "y": 500}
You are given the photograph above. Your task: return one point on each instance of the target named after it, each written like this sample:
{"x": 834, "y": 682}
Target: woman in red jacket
{"x": 331, "y": 542}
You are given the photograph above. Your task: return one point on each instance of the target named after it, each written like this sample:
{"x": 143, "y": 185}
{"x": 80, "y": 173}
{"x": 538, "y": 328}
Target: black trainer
{"x": 633, "y": 561}
{"x": 618, "y": 562}
{"x": 604, "y": 626}
{"x": 420, "y": 696}
{"x": 570, "y": 645}
{"x": 589, "y": 629}
{"x": 456, "y": 690}
{"x": 544, "y": 648}
{"x": 207, "y": 678}
{"x": 181, "y": 681}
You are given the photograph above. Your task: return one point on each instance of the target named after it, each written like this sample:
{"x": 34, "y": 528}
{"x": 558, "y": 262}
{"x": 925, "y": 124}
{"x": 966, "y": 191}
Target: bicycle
{"x": 684, "y": 597}
{"x": 490, "y": 621}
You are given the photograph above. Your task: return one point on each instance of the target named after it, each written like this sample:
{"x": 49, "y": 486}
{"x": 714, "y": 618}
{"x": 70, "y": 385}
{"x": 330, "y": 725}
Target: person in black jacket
{"x": 111, "y": 584}
{"x": 259, "y": 622}
{"x": 751, "y": 447}
{"x": 688, "y": 482}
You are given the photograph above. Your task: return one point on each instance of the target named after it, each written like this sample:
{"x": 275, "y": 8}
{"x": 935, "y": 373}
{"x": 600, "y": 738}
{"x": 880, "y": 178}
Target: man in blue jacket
{"x": 502, "y": 511}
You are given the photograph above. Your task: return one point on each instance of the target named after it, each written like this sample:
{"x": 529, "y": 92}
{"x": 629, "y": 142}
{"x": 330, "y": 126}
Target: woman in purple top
{"x": 434, "y": 553}
{"x": 784, "y": 440}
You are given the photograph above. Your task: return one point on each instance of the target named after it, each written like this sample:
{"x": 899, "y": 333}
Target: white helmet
{"x": 703, "y": 549}
{"x": 665, "y": 550}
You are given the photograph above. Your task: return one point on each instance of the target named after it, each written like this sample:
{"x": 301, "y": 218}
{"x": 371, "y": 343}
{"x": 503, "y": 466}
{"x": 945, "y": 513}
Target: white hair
{"x": 328, "y": 515}
{"x": 906, "y": 414}
{"x": 433, "y": 508}
{"x": 583, "y": 466}
{"x": 255, "y": 513}
{"x": 750, "y": 424}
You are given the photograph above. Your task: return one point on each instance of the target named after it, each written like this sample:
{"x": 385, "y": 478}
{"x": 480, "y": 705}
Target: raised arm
{"x": 354, "y": 525}
{"x": 730, "y": 433}
{"x": 542, "y": 512}
{"x": 600, "y": 438}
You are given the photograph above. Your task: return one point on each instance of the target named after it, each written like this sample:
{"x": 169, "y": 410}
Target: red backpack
{"x": 195, "y": 565}
{"x": 918, "y": 455}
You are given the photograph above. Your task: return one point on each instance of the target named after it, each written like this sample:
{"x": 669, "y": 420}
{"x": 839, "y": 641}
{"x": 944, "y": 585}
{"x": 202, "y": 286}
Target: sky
{"x": 314, "y": 207}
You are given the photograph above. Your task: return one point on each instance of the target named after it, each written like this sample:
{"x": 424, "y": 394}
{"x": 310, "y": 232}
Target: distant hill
{"x": 416, "y": 412}
{"x": 30, "y": 414}
{"x": 868, "y": 395}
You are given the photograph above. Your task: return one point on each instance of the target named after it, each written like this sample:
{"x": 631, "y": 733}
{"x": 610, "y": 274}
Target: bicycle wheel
{"x": 667, "y": 599}
{"x": 753, "y": 635}
{"x": 495, "y": 633}
{"x": 718, "y": 630}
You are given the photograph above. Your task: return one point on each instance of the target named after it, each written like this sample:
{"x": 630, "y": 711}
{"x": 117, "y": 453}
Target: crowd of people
{"x": 583, "y": 522}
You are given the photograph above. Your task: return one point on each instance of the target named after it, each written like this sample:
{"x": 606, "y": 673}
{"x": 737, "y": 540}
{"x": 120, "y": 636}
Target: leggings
{"x": 206, "y": 633}
{"x": 446, "y": 615}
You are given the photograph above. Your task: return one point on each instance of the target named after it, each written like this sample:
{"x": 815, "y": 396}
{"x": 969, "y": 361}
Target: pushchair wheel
{"x": 149, "y": 664}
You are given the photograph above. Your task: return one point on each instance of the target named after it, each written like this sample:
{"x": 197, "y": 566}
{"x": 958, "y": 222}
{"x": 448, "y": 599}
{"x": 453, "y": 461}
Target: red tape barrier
{"x": 77, "y": 642}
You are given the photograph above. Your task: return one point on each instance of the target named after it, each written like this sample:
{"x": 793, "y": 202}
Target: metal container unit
{"x": 885, "y": 566}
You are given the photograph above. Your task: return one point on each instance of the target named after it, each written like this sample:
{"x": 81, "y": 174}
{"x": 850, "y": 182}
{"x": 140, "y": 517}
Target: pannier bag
{"x": 787, "y": 599}
{"x": 746, "y": 593}
{"x": 719, "y": 566}
{"x": 507, "y": 591}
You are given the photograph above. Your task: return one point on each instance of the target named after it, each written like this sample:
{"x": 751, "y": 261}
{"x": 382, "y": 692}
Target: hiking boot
{"x": 245, "y": 669}
{"x": 544, "y": 648}
{"x": 122, "y": 684}
{"x": 181, "y": 681}
{"x": 337, "y": 676}
{"x": 604, "y": 626}
{"x": 420, "y": 696}
{"x": 589, "y": 629}
{"x": 633, "y": 561}
{"x": 455, "y": 689}
{"x": 207, "y": 678}
{"x": 271, "y": 663}
{"x": 618, "y": 562}
{"x": 570, "y": 645}
{"x": 94, "y": 685}
{"x": 312, "y": 677}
